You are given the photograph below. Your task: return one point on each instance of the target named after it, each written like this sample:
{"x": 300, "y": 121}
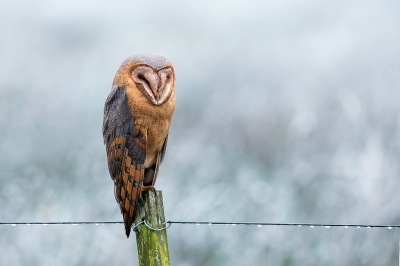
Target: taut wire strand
{"x": 311, "y": 225}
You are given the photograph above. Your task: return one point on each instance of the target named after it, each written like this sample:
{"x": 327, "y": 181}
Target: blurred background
{"x": 286, "y": 111}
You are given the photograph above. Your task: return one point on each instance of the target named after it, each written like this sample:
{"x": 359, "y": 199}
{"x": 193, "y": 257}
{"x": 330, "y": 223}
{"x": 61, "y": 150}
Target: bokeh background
{"x": 286, "y": 111}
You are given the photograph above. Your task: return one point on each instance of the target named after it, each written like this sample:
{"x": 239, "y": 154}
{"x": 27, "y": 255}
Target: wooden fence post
{"x": 152, "y": 245}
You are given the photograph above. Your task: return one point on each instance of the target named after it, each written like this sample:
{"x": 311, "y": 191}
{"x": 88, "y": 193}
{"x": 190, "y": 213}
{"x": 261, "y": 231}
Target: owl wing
{"x": 126, "y": 144}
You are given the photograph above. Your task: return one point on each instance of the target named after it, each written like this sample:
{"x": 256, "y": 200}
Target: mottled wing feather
{"x": 126, "y": 144}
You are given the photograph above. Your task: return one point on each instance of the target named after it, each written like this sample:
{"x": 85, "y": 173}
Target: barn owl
{"x": 137, "y": 117}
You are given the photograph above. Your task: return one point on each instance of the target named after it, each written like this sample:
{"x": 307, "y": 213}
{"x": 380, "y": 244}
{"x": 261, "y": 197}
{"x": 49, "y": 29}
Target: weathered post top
{"x": 152, "y": 245}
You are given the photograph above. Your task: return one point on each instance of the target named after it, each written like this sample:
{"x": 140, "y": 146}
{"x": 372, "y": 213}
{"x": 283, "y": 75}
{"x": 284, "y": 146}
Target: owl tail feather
{"x": 127, "y": 231}
{"x": 128, "y": 226}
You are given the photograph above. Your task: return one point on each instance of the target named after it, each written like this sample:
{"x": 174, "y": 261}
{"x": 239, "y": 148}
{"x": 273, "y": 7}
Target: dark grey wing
{"x": 126, "y": 145}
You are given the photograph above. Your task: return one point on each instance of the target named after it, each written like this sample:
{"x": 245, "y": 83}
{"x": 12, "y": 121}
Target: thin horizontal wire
{"x": 218, "y": 223}
{"x": 60, "y": 223}
{"x": 291, "y": 224}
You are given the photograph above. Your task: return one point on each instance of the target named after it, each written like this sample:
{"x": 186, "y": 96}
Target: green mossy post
{"x": 152, "y": 245}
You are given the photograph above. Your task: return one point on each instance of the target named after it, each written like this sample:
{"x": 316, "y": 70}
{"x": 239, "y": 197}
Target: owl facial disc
{"x": 157, "y": 85}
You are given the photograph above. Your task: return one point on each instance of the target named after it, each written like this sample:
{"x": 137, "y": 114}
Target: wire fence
{"x": 169, "y": 223}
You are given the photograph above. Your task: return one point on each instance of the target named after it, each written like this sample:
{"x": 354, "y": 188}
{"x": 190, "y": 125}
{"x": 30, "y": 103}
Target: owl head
{"x": 153, "y": 75}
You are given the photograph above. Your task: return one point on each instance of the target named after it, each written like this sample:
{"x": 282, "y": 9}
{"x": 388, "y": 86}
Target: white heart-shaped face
{"x": 157, "y": 85}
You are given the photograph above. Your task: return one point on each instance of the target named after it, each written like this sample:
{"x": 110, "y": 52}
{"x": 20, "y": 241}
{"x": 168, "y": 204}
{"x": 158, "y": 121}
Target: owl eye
{"x": 143, "y": 79}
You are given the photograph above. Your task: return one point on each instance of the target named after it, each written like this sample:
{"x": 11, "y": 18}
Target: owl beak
{"x": 157, "y": 91}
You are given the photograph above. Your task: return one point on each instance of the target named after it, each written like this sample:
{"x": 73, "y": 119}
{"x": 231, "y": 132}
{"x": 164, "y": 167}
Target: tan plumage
{"x": 137, "y": 117}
